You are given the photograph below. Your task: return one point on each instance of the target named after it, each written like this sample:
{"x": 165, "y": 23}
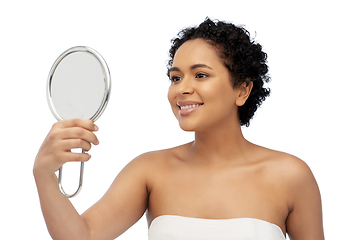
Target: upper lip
{"x": 186, "y": 103}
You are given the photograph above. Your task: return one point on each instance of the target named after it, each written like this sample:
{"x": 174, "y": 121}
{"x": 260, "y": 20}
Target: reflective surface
{"x": 78, "y": 87}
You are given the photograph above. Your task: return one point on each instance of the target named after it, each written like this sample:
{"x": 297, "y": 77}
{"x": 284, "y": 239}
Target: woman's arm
{"x": 61, "y": 218}
{"x": 305, "y": 218}
{"x": 122, "y": 205}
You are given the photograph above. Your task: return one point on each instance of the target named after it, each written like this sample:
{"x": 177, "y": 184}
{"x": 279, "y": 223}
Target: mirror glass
{"x": 79, "y": 85}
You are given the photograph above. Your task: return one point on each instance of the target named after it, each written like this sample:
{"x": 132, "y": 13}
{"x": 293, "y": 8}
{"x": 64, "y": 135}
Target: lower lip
{"x": 185, "y": 112}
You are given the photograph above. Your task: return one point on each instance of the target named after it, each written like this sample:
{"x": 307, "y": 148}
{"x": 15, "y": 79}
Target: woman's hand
{"x": 64, "y": 136}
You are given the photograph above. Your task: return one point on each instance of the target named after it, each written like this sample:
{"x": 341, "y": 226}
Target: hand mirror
{"x": 78, "y": 86}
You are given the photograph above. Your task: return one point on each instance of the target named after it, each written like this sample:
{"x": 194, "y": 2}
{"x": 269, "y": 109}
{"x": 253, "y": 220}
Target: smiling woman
{"x": 219, "y": 186}
{"x": 201, "y": 87}
{"x": 243, "y": 58}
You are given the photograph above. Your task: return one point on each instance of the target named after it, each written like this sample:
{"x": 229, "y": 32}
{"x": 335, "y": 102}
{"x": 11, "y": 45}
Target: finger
{"x": 76, "y": 157}
{"x": 69, "y": 144}
{"x": 78, "y": 122}
{"x": 79, "y": 133}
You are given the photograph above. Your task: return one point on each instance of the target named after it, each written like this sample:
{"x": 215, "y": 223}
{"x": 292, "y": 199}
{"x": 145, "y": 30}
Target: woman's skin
{"x": 220, "y": 175}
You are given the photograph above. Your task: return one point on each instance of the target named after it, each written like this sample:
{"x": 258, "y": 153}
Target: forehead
{"x": 196, "y": 51}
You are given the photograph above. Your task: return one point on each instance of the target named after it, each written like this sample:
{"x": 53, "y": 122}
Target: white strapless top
{"x": 171, "y": 227}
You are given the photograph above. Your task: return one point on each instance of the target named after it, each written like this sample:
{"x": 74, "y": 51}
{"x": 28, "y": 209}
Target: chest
{"x": 226, "y": 193}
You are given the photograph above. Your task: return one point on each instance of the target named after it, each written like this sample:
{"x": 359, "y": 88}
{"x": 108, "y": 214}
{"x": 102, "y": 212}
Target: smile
{"x": 189, "y": 106}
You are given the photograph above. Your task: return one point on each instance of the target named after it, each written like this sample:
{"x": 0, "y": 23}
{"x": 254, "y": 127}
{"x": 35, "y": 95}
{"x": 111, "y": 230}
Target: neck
{"x": 220, "y": 145}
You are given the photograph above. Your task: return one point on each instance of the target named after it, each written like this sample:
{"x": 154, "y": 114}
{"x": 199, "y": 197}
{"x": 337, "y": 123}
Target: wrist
{"x": 43, "y": 177}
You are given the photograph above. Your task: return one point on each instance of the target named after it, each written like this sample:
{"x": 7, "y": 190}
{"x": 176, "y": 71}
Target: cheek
{"x": 172, "y": 98}
{"x": 215, "y": 91}
{"x": 170, "y": 94}
{"x": 221, "y": 96}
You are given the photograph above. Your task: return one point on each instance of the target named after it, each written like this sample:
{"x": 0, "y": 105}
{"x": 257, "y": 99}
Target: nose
{"x": 185, "y": 87}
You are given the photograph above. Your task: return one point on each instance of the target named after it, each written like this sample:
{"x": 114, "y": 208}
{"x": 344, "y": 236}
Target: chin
{"x": 189, "y": 127}
{"x": 188, "y": 130}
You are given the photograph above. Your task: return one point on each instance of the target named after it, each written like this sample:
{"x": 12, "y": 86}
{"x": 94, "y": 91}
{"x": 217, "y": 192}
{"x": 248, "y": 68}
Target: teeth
{"x": 190, "y": 106}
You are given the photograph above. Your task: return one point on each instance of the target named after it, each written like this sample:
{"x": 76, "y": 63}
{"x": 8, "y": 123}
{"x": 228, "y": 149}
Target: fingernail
{"x": 96, "y": 128}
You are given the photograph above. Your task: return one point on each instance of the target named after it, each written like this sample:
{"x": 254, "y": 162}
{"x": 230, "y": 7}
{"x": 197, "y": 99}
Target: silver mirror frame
{"x": 107, "y": 80}
{"x": 96, "y": 115}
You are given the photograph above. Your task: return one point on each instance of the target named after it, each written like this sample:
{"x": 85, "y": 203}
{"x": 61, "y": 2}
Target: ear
{"x": 244, "y": 91}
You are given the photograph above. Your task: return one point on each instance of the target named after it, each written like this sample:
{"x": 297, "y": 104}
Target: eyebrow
{"x": 199, "y": 65}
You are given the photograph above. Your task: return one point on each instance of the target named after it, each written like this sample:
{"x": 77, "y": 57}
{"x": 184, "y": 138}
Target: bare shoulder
{"x": 158, "y": 157}
{"x": 288, "y": 171}
{"x": 304, "y": 220}
{"x": 152, "y": 163}
{"x": 295, "y": 171}
{"x": 298, "y": 178}
{"x": 292, "y": 169}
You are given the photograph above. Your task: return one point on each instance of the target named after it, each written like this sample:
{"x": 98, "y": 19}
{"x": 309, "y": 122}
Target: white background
{"x": 313, "y": 49}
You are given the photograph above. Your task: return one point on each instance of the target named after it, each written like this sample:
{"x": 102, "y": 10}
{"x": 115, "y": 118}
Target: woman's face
{"x": 201, "y": 94}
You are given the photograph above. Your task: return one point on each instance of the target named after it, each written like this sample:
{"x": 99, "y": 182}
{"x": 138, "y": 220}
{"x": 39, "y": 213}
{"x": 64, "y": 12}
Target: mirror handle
{"x": 80, "y": 181}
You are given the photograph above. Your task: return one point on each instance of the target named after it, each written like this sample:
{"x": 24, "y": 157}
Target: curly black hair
{"x": 244, "y": 59}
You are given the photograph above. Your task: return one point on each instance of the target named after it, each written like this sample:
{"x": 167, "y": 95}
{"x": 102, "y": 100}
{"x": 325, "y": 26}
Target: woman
{"x": 220, "y": 186}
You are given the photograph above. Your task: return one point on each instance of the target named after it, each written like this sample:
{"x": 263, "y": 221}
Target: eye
{"x": 175, "y": 78}
{"x": 201, "y": 75}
